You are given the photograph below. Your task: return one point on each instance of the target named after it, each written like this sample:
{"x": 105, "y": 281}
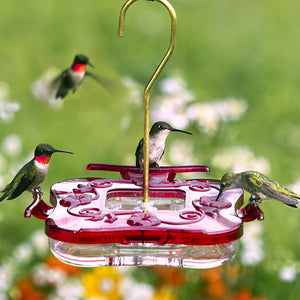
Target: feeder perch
{"x": 148, "y": 217}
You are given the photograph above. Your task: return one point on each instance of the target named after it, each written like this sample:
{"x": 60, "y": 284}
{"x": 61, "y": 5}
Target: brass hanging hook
{"x": 150, "y": 84}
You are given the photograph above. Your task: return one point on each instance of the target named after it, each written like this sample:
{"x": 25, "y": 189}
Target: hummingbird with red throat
{"x": 72, "y": 77}
{"x": 32, "y": 174}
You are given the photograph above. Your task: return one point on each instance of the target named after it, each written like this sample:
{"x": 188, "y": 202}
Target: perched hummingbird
{"x": 72, "y": 77}
{"x": 32, "y": 174}
{"x": 259, "y": 186}
{"x": 157, "y": 138}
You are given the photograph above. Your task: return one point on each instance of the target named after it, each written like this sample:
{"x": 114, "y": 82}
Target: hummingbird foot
{"x": 255, "y": 200}
{"x": 37, "y": 190}
{"x": 156, "y": 166}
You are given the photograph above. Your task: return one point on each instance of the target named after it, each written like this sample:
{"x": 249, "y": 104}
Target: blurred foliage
{"x": 243, "y": 49}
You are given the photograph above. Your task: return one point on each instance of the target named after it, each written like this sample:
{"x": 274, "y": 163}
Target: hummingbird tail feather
{"x": 61, "y": 94}
{"x": 292, "y": 205}
{"x": 293, "y": 202}
{"x": 3, "y": 197}
{"x": 137, "y": 163}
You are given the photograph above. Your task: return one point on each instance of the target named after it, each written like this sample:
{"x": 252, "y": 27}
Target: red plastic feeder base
{"x": 104, "y": 222}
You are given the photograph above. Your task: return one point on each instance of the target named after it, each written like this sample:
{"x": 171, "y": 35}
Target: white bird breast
{"x": 42, "y": 170}
{"x": 76, "y": 76}
{"x": 157, "y": 145}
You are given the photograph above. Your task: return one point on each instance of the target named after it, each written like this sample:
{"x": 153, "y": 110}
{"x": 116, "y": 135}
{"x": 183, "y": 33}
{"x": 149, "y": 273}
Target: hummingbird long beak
{"x": 63, "y": 151}
{"x": 91, "y": 65}
{"x": 182, "y": 131}
{"x": 219, "y": 195}
{"x": 220, "y": 192}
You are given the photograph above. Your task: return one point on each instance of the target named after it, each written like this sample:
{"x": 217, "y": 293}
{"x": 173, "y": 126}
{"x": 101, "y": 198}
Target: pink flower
{"x": 143, "y": 219}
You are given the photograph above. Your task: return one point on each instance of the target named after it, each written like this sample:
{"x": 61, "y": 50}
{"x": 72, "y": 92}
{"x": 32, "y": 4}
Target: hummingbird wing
{"x": 112, "y": 86}
{"x": 162, "y": 155}
{"x": 57, "y": 79}
{"x": 272, "y": 189}
{"x": 65, "y": 84}
{"x": 139, "y": 154}
{"x": 102, "y": 80}
{"x": 24, "y": 178}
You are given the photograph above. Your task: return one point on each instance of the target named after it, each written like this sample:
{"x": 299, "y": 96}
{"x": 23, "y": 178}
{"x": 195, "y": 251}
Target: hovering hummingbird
{"x": 72, "y": 77}
{"x": 32, "y": 174}
{"x": 157, "y": 138}
{"x": 259, "y": 186}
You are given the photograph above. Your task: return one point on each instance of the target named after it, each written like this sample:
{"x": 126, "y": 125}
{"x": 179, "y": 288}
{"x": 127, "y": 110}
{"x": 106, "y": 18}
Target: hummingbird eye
{"x": 44, "y": 151}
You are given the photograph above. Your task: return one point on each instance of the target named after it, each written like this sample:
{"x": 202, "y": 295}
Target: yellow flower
{"x": 102, "y": 283}
{"x": 164, "y": 294}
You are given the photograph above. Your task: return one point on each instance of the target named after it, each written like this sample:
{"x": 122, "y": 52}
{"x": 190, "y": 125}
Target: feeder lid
{"x": 102, "y": 211}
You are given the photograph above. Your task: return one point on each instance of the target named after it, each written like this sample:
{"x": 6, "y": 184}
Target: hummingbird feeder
{"x": 147, "y": 217}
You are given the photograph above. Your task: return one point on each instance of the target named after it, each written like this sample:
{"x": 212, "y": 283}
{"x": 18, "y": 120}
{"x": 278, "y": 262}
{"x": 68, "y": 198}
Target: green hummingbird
{"x": 31, "y": 174}
{"x": 72, "y": 77}
{"x": 157, "y": 138}
{"x": 259, "y": 186}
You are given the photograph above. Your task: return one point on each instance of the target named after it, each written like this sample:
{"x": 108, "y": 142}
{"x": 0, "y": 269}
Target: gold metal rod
{"x": 150, "y": 84}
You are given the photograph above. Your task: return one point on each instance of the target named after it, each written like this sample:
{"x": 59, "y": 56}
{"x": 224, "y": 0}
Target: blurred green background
{"x": 242, "y": 49}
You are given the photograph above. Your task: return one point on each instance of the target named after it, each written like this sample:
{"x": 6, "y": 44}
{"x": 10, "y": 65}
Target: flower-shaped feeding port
{"x": 104, "y": 222}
